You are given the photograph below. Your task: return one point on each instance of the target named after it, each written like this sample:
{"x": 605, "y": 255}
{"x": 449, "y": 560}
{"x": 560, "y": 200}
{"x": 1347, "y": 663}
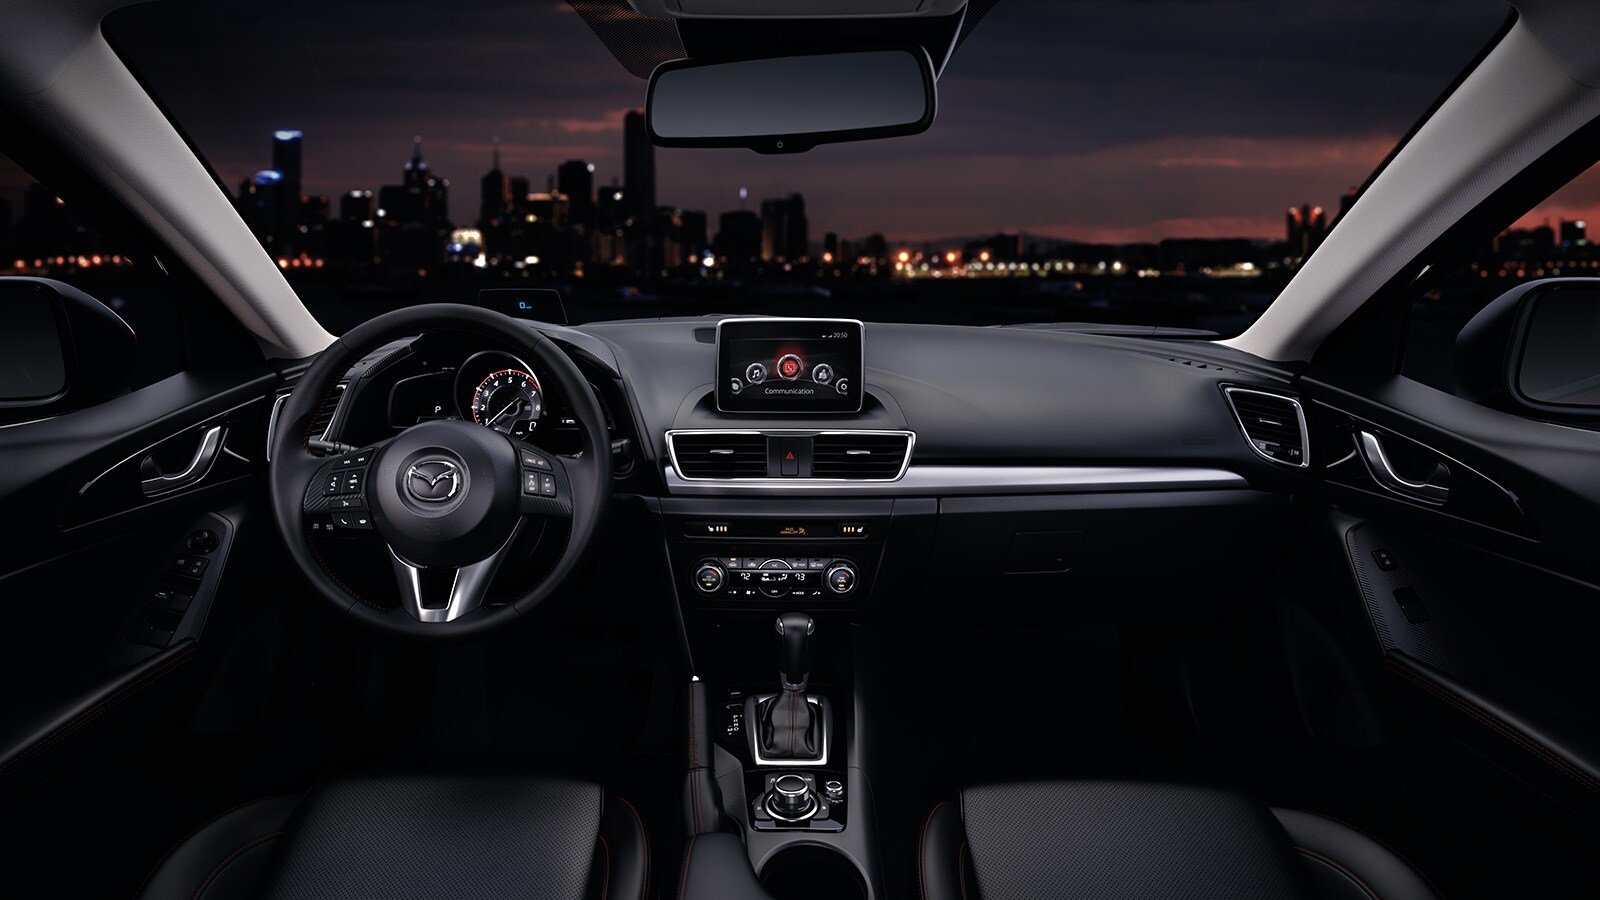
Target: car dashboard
{"x": 1026, "y": 466}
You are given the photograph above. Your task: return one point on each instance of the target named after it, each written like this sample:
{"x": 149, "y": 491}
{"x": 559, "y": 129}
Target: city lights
{"x": 577, "y": 228}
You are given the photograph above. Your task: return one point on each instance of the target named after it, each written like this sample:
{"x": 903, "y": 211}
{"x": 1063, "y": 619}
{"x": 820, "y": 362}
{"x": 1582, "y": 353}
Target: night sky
{"x": 1105, "y": 121}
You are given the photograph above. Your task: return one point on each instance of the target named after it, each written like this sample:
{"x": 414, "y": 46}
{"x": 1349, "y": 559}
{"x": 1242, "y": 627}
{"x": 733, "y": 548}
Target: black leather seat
{"x": 429, "y": 836}
{"x": 1062, "y": 839}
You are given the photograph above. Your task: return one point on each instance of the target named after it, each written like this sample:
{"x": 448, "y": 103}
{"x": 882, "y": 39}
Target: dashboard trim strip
{"x": 935, "y": 480}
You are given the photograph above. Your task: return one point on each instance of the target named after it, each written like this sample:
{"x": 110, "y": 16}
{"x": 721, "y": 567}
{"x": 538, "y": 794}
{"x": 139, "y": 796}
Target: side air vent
{"x": 326, "y": 410}
{"x": 863, "y": 456}
{"x": 1275, "y": 425}
{"x": 720, "y": 455}
{"x": 319, "y": 421}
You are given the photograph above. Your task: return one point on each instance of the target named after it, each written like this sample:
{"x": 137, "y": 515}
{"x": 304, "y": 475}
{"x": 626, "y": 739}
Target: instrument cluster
{"x": 493, "y": 388}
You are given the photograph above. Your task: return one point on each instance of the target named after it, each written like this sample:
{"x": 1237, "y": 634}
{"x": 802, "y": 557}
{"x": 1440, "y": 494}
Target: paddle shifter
{"x": 790, "y": 726}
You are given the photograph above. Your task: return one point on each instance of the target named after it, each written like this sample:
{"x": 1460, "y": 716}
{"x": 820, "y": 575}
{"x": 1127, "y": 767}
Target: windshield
{"x": 1159, "y": 163}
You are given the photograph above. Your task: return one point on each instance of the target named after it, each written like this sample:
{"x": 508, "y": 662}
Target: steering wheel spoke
{"x": 446, "y": 593}
{"x": 547, "y": 483}
{"x": 336, "y": 494}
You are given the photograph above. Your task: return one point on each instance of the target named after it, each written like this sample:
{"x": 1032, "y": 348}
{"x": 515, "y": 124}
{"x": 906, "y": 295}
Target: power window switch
{"x": 190, "y": 566}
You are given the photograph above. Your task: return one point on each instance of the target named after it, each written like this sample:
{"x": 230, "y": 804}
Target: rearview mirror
{"x": 1536, "y": 347}
{"x": 790, "y": 104}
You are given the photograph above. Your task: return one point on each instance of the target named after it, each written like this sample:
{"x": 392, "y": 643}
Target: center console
{"x": 776, "y": 554}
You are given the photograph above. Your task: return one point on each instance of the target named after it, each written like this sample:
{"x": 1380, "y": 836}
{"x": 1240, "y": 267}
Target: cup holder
{"x": 810, "y": 872}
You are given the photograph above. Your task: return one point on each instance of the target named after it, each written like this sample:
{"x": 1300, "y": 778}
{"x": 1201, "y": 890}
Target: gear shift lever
{"x": 794, "y": 636}
{"x": 787, "y": 725}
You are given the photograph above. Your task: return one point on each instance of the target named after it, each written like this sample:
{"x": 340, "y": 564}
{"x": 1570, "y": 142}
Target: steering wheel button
{"x": 356, "y": 521}
{"x": 530, "y": 483}
{"x": 347, "y": 503}
{"x": 547, "y": 485}
{"x": 535, "y": 461}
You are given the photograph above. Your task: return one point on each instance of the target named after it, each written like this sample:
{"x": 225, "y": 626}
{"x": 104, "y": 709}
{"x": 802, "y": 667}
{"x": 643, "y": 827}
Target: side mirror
{"x": 790, "y": 104}
{"x": 60, "y": 349}
{"x": 1536, "y": 348}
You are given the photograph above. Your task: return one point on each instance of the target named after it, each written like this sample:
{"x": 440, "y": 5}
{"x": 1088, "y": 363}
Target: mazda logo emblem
{"x": 433, "y": 480}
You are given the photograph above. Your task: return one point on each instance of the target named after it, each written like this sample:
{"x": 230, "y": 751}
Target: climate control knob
{"x": 774, "y": 578}
{"x": 710, "y": 577}
{"x": 840, "y": 578}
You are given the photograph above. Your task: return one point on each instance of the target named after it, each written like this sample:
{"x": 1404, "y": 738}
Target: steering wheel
{"x": 447, "y": 497}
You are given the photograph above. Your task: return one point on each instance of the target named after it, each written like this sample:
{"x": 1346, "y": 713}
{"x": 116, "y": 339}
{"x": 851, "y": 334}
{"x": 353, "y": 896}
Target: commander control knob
{"x": 840, "y": 578}
{"x": 710, "y": 577}
{"x": 791, "y": 798}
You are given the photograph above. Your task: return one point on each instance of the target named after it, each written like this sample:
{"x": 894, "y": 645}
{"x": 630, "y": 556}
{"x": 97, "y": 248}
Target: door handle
{"x": 199, "y": 465}
{"x": 1377, "y": 460}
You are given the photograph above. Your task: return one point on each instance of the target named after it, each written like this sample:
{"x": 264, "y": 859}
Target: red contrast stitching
{"x": 688, "y": 854}
{"x": 605, "y": 884}
{"x": 1384, "y": 844}
{"x": 961, "y": 868}
{"x": 1487, "y": 718}
{"x": 94, "y": 712}
{"x": 226, "y": 860}
{"x": 694, "y": 765}
{"x": 922, "y": 850}
{"x": 1342, "y": 869}
{"x": 644, "y": 839}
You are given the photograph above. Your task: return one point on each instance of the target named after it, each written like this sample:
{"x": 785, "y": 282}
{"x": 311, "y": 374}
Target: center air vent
{"x": 865, "y": 456}
{"x": 1274, "y": 425}
{"x": 790, "y": 454}
{"x": 720, "y": 455}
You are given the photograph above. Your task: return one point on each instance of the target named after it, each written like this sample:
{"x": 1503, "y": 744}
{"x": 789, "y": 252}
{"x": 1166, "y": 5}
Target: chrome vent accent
{"x": 859, "y": 456}
{"x": 1273, "y": 424}
{"x": 721, "y": 455}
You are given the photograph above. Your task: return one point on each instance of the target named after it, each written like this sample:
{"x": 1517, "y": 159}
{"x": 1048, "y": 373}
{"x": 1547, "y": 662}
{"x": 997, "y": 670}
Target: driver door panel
{"x": 107, "y": 587}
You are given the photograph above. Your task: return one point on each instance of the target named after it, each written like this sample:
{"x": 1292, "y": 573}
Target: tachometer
{"x": 508, "y": 401}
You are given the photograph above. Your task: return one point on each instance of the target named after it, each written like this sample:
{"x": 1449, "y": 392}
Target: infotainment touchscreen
{"x": 789, "y": 365}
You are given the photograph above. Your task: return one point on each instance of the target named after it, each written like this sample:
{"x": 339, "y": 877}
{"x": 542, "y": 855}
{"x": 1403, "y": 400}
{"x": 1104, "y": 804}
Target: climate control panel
{"x": 771, "y": 577}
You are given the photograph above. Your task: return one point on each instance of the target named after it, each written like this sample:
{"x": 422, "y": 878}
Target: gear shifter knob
{"x": 794, "y": 637}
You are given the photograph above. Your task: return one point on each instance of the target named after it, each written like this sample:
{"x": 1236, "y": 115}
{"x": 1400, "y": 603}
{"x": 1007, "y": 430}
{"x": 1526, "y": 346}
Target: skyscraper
{"x": 739, "y": 238}
{"x": 783, "y": 229}
{"x": 425, "y": 193}
{"x": 287, "y": 147}
{"x": 575, "y": 178}
{"x": 1307, "y": 226}
{"x": 638, "y": 164}
{"x": 286, "y": 157}
{"x": 494, "y": 194}
{"x": 356, "y": 206}
{"x": 262, "y": 205}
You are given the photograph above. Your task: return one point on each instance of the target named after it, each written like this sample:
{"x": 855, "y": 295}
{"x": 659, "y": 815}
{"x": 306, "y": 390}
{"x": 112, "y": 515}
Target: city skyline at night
{"x": 1132, "y": 122}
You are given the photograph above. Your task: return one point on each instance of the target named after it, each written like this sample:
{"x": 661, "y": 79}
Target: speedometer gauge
{"x": 509, "y": 401}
